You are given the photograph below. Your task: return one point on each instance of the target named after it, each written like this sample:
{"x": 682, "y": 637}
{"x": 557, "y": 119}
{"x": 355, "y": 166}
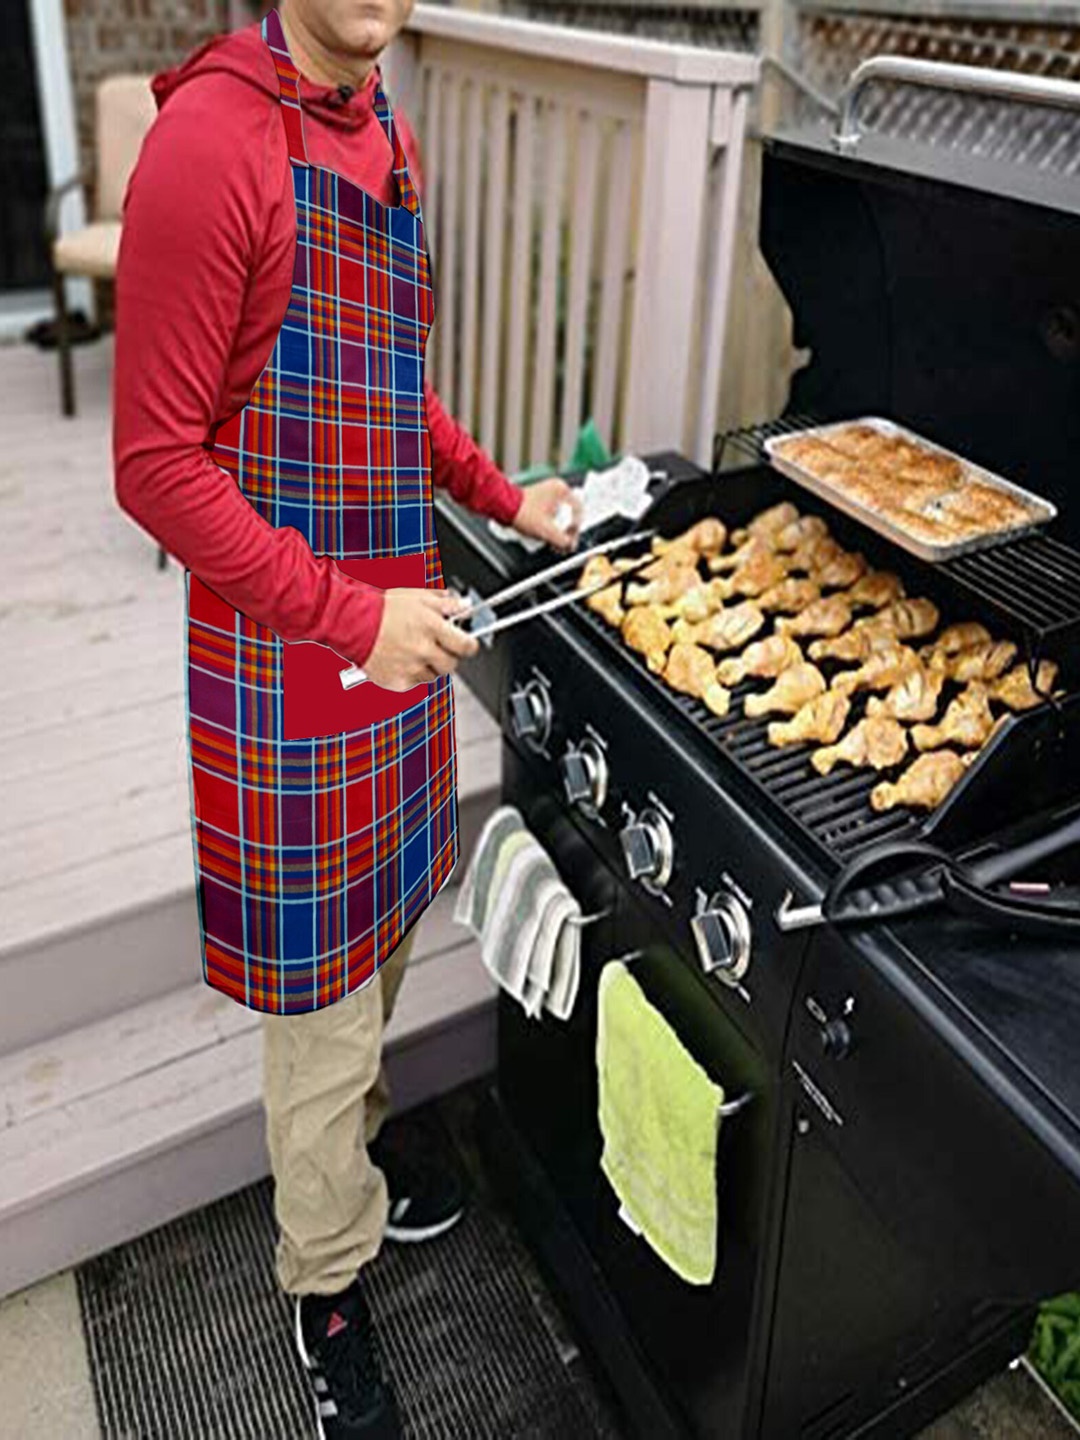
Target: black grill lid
{"x": 938, "y": 289}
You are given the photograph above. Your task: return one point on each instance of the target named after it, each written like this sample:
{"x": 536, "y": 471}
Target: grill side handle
{"x": 938, "y": 75}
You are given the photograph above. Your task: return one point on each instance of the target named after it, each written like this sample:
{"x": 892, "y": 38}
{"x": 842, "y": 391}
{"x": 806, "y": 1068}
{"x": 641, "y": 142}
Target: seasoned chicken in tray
{"x": 923, "y": 785}
{"x": 915, "y": 697}
{"x": 829, "y": 615}
{"x": 876, "y": 743}
{"x": 880, "y": 671}
{"x": 644, "y": 629}
{"x": 793, "y": 689}
{"x": 1016, "y": 691}
{"x": 763, "y": 660}
{"x": 821, "y": 719}
{"x": 967, "y": 722}
{"x": 728, "y": 629}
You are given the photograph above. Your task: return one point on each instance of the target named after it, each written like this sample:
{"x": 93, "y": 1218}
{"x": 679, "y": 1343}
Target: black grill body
{"x": 905, "y": 1184}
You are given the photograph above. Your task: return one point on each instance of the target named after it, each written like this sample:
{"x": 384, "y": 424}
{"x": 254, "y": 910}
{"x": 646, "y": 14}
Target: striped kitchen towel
{"x": 514, "y": 900}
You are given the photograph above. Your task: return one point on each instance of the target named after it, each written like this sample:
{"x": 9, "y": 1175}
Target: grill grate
{"x": 833, "y": 810}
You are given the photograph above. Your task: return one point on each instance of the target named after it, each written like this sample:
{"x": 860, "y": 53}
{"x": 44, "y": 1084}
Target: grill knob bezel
{"x": 534, "y": 694}
{"x": 731, "y": 911}
{"x": 656, "y": 832}
{"x": 594, "y": 762}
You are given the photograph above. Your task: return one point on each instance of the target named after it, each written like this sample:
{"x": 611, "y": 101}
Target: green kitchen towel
{"x": 659, "y": 1118}
{"x": 590, "y": 453}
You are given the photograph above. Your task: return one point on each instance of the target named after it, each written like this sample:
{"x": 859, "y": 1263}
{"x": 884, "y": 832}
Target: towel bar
{"x": 589, "y": 919}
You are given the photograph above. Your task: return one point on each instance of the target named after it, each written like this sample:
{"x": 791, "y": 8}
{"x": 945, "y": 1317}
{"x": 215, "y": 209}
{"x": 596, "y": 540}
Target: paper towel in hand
{"x": 621, "y": 489}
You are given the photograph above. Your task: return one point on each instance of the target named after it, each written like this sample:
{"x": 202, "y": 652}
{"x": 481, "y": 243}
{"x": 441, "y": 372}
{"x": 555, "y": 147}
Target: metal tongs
{"x": 355, "y": 675}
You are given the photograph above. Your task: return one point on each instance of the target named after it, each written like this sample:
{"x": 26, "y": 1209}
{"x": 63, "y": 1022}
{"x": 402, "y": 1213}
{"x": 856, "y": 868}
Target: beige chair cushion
{"x": 89, "y": 251}
{"x": 125, "y": 111}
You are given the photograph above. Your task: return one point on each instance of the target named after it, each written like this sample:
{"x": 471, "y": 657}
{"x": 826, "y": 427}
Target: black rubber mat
{"x": 189, "y": 1335}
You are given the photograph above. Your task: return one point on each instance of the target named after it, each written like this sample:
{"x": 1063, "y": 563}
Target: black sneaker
{"x": 426, "y": 1198}
{"x": 336, "y": 1342}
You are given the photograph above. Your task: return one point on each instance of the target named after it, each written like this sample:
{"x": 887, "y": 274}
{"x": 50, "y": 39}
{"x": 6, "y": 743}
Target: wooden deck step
{"x": 120, "y": 1125}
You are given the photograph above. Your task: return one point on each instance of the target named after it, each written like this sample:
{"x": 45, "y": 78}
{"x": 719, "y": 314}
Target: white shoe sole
{"x": 411, "y": 1235}
{"x": 305, "y": 1359}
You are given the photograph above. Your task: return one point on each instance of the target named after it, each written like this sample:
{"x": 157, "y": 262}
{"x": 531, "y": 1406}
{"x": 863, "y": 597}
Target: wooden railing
{"x": 581, "y": 198}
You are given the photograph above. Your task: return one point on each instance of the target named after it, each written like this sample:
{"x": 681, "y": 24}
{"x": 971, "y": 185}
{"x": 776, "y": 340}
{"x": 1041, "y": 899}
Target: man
{"x": 272, "y": 307}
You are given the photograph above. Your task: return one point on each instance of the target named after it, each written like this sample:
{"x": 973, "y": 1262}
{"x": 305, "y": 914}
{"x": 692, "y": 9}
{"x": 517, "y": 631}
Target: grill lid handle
{"x": 937, "y": 75}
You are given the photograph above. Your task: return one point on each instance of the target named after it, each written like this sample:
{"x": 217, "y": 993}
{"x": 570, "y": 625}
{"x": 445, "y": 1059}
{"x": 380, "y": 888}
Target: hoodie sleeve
{"x": 458, "y": 464}
{"x": 196, "y": 225}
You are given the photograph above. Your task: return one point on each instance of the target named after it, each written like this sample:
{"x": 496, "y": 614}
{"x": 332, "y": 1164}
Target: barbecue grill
{"x": 903, "y": 1185}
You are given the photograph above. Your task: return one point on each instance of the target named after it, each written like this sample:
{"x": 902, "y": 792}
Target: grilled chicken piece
{"x": 764, "y": 659}
{"x": 760, "y": 573}
{"x": 608, "y": 605}
{"x": 876, "y": 588}
{"x": 880, "y": 671}
{"x": 875, "y": 743}
{"x": 796, "y": 534}
{"x": 858, "y": 643}
{"x": 793, "y": 689}
{"x": 769, "y": 524}
{"x": 967, "y": 722}
{"x": 790, "y": 595}
{"x": 908, "y": 619}
{"x": 923, "y": 785}
{"x": 955, "y": 638}
{"x": 645, "y": 629}
{"x": 728, "y": 629}
{"x": 840, "y": 571}
{"x": 828, "y": 616}
{"x": 741, "y": 555}
{"x": 1016, "y": 691}
{"x": 815, "y": 554}
{"x": 707, "y": 537}
{"x": 670, "y": 582}
{"x": 697, "y": 602}
{"x": 821, "y": 719}
{"x": 717, "y": 698}
{"x": 689, "y": 668}
{"x": 978, "y": 662}
{"x": 915, "y": 697}
{"x": 607, "y": 602}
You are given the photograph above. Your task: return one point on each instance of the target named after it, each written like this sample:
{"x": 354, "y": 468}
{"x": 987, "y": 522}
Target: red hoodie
{"x": 202, "y": 286}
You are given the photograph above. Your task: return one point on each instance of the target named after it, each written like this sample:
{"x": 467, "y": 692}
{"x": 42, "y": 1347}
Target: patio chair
{"x": 124, "y": 112}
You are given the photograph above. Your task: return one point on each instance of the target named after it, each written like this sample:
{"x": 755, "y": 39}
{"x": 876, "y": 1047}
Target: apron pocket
{"x": 314, "y": 702}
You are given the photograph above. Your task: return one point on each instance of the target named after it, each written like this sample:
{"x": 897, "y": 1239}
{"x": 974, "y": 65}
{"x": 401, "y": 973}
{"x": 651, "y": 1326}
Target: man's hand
{"x": 536, "y": 515}
{"x": 416, "y": 642}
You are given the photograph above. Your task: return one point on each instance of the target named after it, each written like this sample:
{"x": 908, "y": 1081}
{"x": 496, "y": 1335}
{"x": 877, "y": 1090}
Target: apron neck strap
{"x": 289, "y": 84}
{"x": 273, "y": 33}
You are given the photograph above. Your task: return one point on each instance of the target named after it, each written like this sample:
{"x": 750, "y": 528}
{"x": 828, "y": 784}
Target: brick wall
{"x": 109, "y": 36}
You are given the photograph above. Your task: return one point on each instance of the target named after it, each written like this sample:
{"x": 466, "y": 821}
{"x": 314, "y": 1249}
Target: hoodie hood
{"x": 245, "y": 54}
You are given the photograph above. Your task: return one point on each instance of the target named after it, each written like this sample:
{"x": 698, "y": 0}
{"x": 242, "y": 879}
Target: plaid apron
{"x": 324, "y": 821}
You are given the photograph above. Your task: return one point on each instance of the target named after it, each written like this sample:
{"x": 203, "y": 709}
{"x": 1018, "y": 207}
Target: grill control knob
{"x": 530, "y": 713}
{"x": 721, "y": 931}
{"x": 648, "y": 849}
{"x": 585, "y": 776}
{"x": 836, "y": 1039}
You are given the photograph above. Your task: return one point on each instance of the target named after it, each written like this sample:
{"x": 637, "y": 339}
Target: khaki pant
{"x": 326, "y": 1096}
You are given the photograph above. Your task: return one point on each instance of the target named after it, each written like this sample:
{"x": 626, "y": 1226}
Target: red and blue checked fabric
{"x": 314, "y": 856}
